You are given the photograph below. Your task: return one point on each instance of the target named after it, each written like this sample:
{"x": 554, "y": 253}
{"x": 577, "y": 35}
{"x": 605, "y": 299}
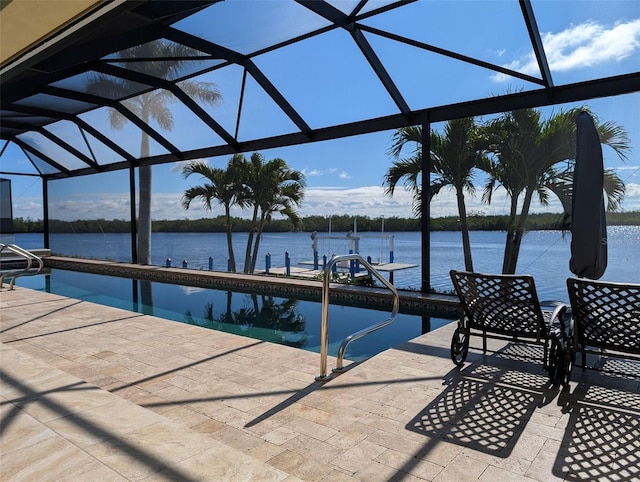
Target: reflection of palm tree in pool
{"x": 267, "y": 319}
{"x": 143, "y": 296}
{"x": 284, "y": 314}
{"x": 208, "y": 312}
{"x": 146, "y": 295}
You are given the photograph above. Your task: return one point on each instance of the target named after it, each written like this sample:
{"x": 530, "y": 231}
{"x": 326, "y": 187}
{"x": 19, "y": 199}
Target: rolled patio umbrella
{"x": 588, "y": 219}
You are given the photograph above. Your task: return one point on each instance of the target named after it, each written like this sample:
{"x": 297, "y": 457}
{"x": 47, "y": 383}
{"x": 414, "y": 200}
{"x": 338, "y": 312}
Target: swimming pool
{"x": 283, "y": 320}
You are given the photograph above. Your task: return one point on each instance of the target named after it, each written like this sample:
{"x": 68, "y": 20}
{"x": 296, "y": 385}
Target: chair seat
{"x": 502, "y": 307}
{"x": 606, "y": 315}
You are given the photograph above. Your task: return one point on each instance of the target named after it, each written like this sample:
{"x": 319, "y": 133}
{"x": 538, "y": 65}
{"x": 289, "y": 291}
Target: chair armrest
{"x": 550, "y": 305}
{"x": 561, "y": 312}
{"x": 558, "y": 313}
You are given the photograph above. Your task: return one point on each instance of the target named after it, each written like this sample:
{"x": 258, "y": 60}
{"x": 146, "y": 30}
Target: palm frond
{"x": 615, "y": 190}
{"x": 403, "y": 136}
{"x": 616, "y": 137}
{"x": 206, "y": 92}
{"x": 407, "y": 169}
{"x": 203, "y": 193}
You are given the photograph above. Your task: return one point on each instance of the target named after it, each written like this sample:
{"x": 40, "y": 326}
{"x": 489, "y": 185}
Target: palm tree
{"x": 153, "y": 105}
{"x": 454, "y": 155}
{"x": 407, "y": 169}
{"x": 289, "y": 194}
{"x": 536, "y": 157}
{"x": 269, "y": 187}
{"x": 222, "y": 186}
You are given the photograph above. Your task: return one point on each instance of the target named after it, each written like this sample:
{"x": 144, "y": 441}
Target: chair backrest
{"x": 505, "y": 304}
{"x": 606, "y": 314}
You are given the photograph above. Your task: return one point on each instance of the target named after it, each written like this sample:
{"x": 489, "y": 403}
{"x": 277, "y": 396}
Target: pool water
{"x": 286, "y": 321}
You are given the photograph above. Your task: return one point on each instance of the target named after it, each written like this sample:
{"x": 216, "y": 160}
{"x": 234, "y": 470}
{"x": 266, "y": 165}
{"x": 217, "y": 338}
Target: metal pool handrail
{"x": 29, "y": 270}
{"x": 324, "y": 330}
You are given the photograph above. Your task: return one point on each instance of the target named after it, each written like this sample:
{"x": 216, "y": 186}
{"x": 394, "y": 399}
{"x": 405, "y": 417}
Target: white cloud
{"x": 324, "y": 201}
{"x": 582, "y": 46}
{"x": 631, "y": 198}
{"x": 27, "y": 207}
{"x": 371, "y": 201}
{"x": 344, "y": 175}
{"x": 318, "y": 172}
{"x": 366, "y": 201}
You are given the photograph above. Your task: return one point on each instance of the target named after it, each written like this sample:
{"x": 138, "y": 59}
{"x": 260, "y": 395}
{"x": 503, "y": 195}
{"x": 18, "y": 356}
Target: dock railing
{"x": 324, "y": 330}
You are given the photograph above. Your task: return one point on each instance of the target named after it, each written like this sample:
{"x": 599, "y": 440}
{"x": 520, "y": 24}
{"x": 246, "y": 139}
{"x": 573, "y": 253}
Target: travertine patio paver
{"x": 96, "y": 393}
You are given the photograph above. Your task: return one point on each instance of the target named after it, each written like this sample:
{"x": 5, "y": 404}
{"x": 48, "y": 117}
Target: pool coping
{"x": 411, "y": 302}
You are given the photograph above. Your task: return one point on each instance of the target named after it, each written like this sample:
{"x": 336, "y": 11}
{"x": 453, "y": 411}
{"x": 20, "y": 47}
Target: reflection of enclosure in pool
{"x": 286, "y": 321}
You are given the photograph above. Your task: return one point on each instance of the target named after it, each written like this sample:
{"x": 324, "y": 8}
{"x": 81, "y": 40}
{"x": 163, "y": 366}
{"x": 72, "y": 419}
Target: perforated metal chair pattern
{"x": 606, "y": 316}
{"x": 504, "y": 307}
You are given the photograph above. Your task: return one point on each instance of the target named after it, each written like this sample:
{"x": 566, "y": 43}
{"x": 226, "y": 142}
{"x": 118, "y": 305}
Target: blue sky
{"x": 582, "y": 39}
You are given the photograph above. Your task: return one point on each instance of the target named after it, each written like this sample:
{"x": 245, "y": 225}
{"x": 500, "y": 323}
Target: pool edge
{"x": 411, "y": 302}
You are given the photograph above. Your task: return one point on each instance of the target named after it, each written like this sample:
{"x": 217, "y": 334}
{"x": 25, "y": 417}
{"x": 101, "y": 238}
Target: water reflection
{"x": 426, "y": 325}
{"x": 267, "y": 318}
{"x": 146, "y": 297}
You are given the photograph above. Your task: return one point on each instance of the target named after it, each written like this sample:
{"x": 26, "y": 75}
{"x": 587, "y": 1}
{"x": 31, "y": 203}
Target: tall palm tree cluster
{"x": 263, "y": 187}
{"x": 517, "y": 151}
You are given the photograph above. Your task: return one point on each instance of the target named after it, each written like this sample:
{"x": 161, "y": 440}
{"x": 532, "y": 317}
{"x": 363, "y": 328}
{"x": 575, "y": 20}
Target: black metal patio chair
{"x": 606, "y": 318}
{"x": 506, "y": 307}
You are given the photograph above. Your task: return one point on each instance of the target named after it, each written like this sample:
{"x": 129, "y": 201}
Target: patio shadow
{"x": 602, "y": 438}
{"x": 486, "y": 406}
{"x": 118, "y": 443}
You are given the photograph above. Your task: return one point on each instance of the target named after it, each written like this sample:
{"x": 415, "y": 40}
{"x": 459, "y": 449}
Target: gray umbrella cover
{"x": 588, "y": 219}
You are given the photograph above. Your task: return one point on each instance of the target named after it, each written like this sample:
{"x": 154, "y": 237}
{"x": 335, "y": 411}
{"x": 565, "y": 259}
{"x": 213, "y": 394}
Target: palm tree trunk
{"x": 464, "y": 227}
{"x": 511, "y": 228}
{"x": 144, "y": 215}
{"x": 519, "y": 233}
{"x": 247, "y": 253}
{"x": 144, "y": 207}
{"x": 232, "y": 258}
{"x": 256, "y": 244}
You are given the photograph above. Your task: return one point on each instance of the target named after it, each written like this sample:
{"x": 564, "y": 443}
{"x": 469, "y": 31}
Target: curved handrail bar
{"x": 10, "y": 273}
{"x": 324, "y": 330}
{"x": 29, "y": 270}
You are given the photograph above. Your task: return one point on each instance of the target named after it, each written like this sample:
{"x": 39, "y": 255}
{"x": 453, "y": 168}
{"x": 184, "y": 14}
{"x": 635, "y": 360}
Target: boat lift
{"x": 354, "y": 243}
{"x": 354, "y": 248}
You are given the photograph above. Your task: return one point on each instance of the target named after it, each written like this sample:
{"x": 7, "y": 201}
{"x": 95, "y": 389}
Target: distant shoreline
{"x": 341, "y": 223}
